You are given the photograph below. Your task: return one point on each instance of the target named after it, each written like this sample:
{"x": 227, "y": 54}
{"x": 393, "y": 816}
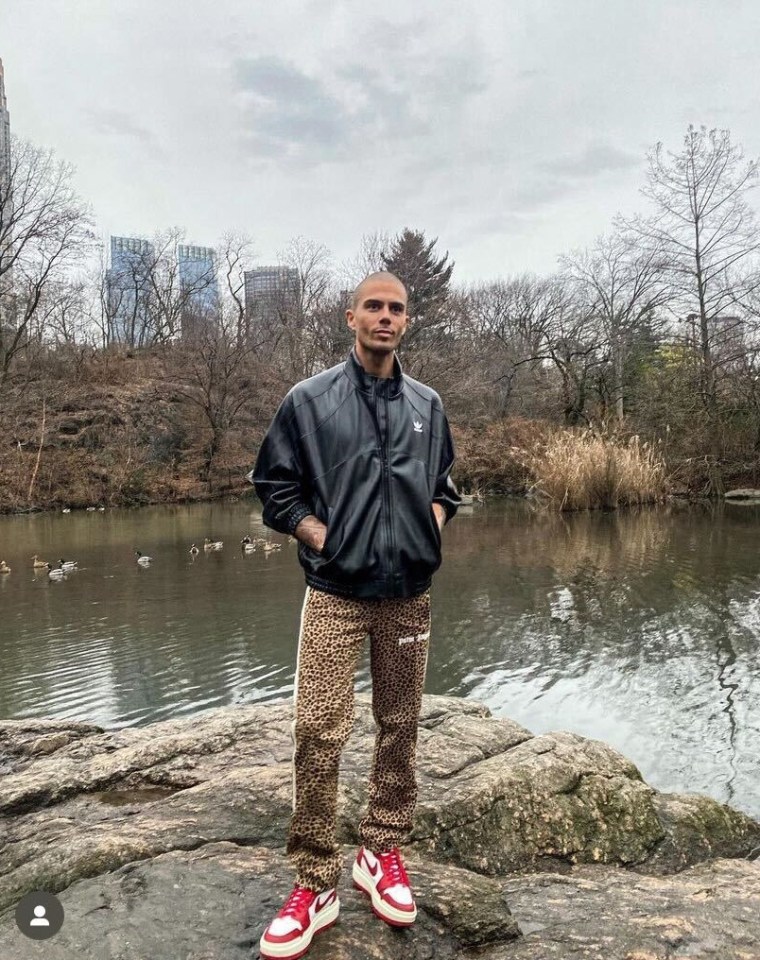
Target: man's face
{"x": 379, "y": 319}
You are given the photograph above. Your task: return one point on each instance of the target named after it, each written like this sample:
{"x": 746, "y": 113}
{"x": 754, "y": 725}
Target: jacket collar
{"x": 366, "y": 382}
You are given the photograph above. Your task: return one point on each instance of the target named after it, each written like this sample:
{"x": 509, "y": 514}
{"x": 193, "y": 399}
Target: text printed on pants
{"x": 415, "y": 637}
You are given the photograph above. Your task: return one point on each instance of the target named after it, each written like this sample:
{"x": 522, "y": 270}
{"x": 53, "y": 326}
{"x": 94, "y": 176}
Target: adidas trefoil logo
{"x": 417, "y": 426}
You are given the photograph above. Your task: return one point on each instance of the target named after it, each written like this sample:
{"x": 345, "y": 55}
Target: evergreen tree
{"x": 426, "y": 277}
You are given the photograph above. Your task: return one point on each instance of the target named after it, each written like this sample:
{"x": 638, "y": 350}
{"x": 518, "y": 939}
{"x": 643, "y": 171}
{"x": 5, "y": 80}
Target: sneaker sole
{"x": 297, "y": 948}
{"x": 381, "y": 909}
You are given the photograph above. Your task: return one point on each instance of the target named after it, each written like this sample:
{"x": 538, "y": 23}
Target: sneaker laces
{"x": 299, "y": 898}
{"x": 393, "y": 867}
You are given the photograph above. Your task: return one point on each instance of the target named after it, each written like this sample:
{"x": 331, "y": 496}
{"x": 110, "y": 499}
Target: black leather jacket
{"x": 368, "y": 456}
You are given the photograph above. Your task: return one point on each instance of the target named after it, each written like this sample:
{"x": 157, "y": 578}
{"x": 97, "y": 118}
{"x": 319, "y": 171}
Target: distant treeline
{"x": 649, "y": 333}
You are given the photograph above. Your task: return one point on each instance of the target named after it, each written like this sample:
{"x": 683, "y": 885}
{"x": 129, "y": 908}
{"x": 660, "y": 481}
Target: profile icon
{"x": 39, "y": 917}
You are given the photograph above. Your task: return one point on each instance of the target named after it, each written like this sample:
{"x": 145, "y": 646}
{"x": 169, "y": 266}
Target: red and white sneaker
{"x": 304, "y": 914}
{"x": 383, "y": 878}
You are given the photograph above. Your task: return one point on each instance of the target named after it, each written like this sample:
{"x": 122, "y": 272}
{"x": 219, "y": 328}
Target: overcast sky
{"x": 513, "y": 130}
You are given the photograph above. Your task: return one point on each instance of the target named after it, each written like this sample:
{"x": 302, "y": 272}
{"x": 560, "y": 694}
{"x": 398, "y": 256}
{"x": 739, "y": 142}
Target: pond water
{"x": 638, "y": 628}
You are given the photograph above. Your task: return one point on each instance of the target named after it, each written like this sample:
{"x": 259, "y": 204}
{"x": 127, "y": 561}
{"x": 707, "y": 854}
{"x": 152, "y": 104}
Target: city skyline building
{"x": 199, "y": 288}
{"x": 270, "y": 290}
{"x": 7, "y": 310}
{"x": 726, "y": 334}
{"x": 128, "y": 290}
{"x": 5, "y": 132}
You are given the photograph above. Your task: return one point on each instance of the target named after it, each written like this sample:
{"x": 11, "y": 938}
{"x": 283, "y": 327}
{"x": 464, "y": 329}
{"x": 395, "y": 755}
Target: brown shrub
{"x": 486, "y": 459}
{"x": 579, "y": 469}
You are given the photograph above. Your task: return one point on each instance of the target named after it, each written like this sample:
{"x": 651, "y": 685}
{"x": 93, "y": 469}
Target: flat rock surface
{"x": 167, "y": 841}
{"x": 603, "y": 913}
{"x": 213, "y": 904}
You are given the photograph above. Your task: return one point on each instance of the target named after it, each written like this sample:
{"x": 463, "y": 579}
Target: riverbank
{"x": 123, "y": 433}
{"x": 134, "y": 429}
{"x": 524, "y": 847}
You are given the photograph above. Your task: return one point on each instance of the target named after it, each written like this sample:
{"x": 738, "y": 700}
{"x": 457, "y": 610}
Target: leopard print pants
{"x": 332, "y": 632}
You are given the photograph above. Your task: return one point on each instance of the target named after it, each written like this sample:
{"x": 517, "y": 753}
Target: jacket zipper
{"x": 388, "y": 486}
{"x": 386, "y": 483}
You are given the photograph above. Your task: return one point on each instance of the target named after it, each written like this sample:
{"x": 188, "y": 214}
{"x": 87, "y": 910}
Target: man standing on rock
{"x": 356, "y": 466}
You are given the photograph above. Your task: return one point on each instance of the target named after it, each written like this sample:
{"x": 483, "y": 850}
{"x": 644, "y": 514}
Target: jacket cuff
{"x": 448, "y": 509}
{"x": 295, "y": 515}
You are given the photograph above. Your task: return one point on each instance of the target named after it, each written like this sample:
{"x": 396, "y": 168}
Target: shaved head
{"x": 380, "y": 275}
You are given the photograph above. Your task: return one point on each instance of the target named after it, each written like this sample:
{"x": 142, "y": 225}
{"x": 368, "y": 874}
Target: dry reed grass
{"x": 582, "y": 470}
{"x": 480, "y": 460}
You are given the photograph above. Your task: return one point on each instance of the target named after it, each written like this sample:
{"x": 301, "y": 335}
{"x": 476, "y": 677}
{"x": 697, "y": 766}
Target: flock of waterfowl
{"x": 55, "y": 573}
{"x": 247, "y": 545}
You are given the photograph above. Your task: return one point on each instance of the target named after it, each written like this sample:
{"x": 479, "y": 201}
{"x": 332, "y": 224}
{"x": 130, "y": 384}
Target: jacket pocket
{"x": 326, "y": 551}
{"x": 418, "y": 539}
{"x": 436, "y": 528}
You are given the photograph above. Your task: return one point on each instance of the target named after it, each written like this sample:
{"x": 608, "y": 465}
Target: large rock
{"x": 213, "y": 903}
{"x": 603, "y": 913}
{"x": 742, "y": 493}
{"x": 180, "y": 826}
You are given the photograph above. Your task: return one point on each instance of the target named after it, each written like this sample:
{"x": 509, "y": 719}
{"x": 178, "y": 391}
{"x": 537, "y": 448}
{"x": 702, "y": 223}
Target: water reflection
{"x": 640, "y": 628}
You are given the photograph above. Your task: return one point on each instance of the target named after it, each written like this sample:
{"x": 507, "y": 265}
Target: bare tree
{"x": 313, "y": 263}
{"x": 329, "y": 333}
{"x": 533, "y": 322}
{"x": 181, "y": 302}
{"x": 126, "y": 296}
{"x": 573, "y": 342}
{"x": 213, "y": 374}
{"x": 499, "y": 326}
{"x": 236, "y": 256}
{"x": 63, "y": 314}
{"x": 621, "y": 284}
{"x": 287, "y": 324}
{"x": 369, "y": 259}
{"x": 44, "y": 230}
{"x": 705, "y": 229}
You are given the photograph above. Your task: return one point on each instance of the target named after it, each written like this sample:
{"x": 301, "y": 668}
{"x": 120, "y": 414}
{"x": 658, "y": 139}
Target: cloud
{"x": 515, "y": 129}
{"x": 594, "y": 159}
{"x": 288, "y": 113}
{"x": 498, "y": 223}
{"x": 117, "y": 123}
{"x": 354, "y": 110}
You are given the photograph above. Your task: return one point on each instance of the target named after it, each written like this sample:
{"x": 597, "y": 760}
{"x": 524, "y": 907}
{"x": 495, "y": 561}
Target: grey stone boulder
{"x": 204, "y": 803}
{"x": 607, "y": 913}
{"x": 212, "y": 903}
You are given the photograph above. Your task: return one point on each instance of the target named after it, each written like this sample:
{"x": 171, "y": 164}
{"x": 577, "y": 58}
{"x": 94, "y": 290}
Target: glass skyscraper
{"x": 5, "y": 134}
{"x": 269, "y": 290}
{"x": 199, "y": 289}
{"x": 128, "y": 283}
